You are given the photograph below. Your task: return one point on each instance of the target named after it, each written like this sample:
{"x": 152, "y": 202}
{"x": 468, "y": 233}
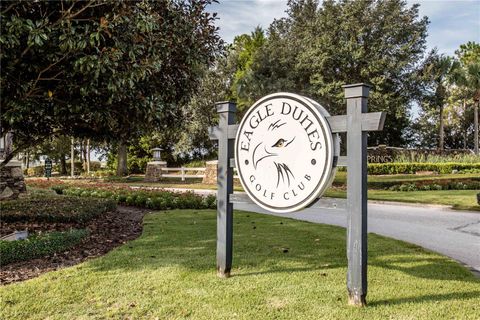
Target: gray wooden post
{"x": 356, "y": 96}
{"x": 226, "y": 114}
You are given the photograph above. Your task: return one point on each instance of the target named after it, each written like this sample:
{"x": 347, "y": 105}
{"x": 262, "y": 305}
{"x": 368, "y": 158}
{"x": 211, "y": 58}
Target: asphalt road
{"x": 455, "y": 234}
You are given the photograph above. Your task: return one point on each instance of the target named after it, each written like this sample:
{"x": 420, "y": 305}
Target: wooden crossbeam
{"x": 372, "y": 121}
{"x": 215, "y": 132}
{"x": 325, "y": 203}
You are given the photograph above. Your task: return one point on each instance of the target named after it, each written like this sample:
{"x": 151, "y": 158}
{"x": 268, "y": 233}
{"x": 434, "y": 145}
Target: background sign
{"x": 48, "y": 168}
{"x": 285, "y": 152}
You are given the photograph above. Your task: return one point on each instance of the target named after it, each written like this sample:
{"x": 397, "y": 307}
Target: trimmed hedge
{"x": 453, "y": 185}
{"x": 54, "y": 209}
{"x": 471, "y": 183}
{"x": 37, "y": 246}
{"x": 158, "y": 200}
{"x": 37, "y": 171}
{"x": 412, "y": 168}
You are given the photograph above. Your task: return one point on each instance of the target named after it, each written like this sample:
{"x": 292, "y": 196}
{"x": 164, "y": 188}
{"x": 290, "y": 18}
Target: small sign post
{"x": 286, "y": 150}
{"x": 48, "y": 168}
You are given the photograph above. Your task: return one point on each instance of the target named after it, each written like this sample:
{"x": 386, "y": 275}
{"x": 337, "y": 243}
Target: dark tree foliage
{"x": 318, "y": 48}
{"x": 100, "y": 69}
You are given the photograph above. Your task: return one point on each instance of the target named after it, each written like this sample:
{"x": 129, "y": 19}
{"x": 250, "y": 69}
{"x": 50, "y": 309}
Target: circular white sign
{"x": 284, "y": 152}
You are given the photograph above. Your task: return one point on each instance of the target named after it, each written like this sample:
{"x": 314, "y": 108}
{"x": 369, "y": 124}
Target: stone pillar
{"x": 210, "y": 176}
{"x": 154, "y": 171}
{"x": 11, "y": 180}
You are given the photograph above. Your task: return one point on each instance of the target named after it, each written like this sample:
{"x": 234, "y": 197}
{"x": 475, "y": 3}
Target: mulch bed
{"x": 108, "y": 231}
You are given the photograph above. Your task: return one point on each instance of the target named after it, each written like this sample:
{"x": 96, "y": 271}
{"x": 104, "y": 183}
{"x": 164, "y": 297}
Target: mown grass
{"x": 283, "y": 269}
{"x": 341, "y": 177}
{"x": 457, "y": 199}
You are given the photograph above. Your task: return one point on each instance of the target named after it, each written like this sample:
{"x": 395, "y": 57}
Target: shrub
{"x": 78, "y": 167}
{"x": 140, "y": 201}
{"x": 137, "y": 165}
{"x": 39, "y": 245}
{"x": 94, "y": 166}
{"x": 103, "y": 173}
{"x": 152, "y": 199}
{"x": 210, "y": 201}
{"x": 59, "y": 188}
{"x": 413, "y": 167}
{"x": 54, "y": 209}
{"x": 196, "y": 164}
{"x": 470, "y": 171}
{"x": 419, "y": 156}
{"x": 35, "y": 171}
{"x": 451, "y": 185}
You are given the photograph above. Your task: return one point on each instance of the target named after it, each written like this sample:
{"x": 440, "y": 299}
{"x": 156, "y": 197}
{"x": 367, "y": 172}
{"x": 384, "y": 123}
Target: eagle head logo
{"x": 276, "y": 149}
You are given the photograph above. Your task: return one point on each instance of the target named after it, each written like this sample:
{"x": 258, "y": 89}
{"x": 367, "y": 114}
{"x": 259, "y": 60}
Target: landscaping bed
{"x": 124, "y": 195}
{"x": 62, "y": 231}
{"x": 105, "y": 232}
{"x": 53, "y": 209}
{"x": 40, "y": 245}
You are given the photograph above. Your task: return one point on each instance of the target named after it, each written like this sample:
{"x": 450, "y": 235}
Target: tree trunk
{"x": 122, "y": 159}
{"x": 28, "y": 159}
{"x": 63, "y": 164}
{"x": 88, "y": 155}
{"x": 84, "y": 155}
{"x": 440, "y": 143}
{"x": 72, "y": 158}
{"x": 80, "y": 153}
{"x": 475, "y": 127}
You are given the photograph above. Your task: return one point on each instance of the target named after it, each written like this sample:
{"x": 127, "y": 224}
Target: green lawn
{"x": 169, "y": 273}
{"x": 457, "y": 199}
{"x": 341, "y": 177}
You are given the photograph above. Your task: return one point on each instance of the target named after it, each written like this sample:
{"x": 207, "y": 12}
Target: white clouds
{"x": 242, "y": 16}
{"x": 451, "y": 22}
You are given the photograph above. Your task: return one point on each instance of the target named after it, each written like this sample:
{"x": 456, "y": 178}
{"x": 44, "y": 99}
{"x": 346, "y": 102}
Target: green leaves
{"x": 318, "y": 48}
{"x": 40, "y": 245}
{"x": 104, "y": 60}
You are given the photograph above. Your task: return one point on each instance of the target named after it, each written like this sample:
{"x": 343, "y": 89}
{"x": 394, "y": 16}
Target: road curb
{"x": 411, "y": 204}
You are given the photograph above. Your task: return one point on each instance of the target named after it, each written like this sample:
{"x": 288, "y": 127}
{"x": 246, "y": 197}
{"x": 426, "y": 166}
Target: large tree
{"x": 469, "y": 80}
{"x": 100, "y": 69}
{"x": 318, "y": 48}
{"x": 440, "y": 73}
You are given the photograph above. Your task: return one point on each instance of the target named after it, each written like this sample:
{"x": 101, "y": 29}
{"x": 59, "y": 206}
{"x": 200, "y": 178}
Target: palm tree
{"x": 467, "y": 77}
{"x": 441, "y": 72}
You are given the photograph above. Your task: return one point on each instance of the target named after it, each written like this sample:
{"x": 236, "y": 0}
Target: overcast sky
{"x": 452, "y": 22}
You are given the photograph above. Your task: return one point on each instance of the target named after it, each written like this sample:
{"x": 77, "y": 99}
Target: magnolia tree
{"x": 100, "y": 69}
